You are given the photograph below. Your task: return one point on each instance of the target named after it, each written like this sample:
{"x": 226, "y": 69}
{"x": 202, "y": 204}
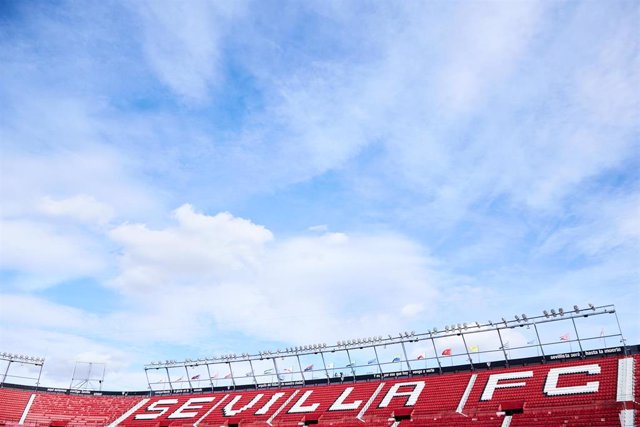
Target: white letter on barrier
{"x": 418, "y": 386}
{"x": 551, "y": 385}
{"x": 492, "y": 384}
{"x": 187, "y": 405}
{"x": 339, "y": 404}
{"x": 153, "y": 407}
{"x": 229, "y": 411}
{"x": 298, "y": 408}
{"x": 267, "y": 406}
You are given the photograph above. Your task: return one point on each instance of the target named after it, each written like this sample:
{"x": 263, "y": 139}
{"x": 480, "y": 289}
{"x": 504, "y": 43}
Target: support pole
{"x": 351, "y": 364}
{"x": 624, "y": 342}
{"x": 301, "y": 371}
{"x": 6, "y": 372}
{"x": 188, "y": 377}
{"x": 275, "y": 365}
{"x": 539, "y": 342}
{"x": 504, "y": 351}
{"x": 39, "y": 374}
{"x": 577, "y": 336}
{"x": 324, "y": 365}
{"x": 253, "y": 374}
{"x": 467, "y": 350}
{"x": 209, "y": 374}
{"x": 406, "y": 358}
{"x": 146, "y": 374}
{"x": 169, "y": 378}
{"x": 233, "y": 380}
{"x": 378, "y": 361}
{"x": 435, "y": 351}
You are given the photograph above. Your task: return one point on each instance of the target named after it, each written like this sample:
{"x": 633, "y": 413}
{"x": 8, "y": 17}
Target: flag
{"x": 601, "y": 332}
{"x": 308, "y": 368}
{"x": 505, "y": 346}
{"x": 395, "y": 359}
{"x": 421, "y": 356}
{"x": 214, "y": 376}
{"x": 564, "y": 337}
{"x": 474, "y": 349}
{"x": 446, "y": 352}
{"x": 228, "y": 375}
{"x": 533, "y": 341}
{"x": 195, "y": 377}
{"x": 372, "y": 361}
{"x": 178, "y": 380}
{"x": 268, "y": 371}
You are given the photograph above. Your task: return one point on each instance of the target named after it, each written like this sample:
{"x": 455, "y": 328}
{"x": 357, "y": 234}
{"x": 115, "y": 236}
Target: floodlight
{"x": 592, "y": 307}
{"x": 413, "y": 333}
{"x": 464, "y": 325}
{"x": 561, "y": 311}
{"x": 379, "y": 337}
{"x": 546, "y": 313}
{"x": 553, "y": 312}
{"x": 446, "y": 328}
{"x": 435, "y": 330}
{"x": 576, "y": 309}
{"x": 517, "y": 318}
{"x": 524, "y": 317}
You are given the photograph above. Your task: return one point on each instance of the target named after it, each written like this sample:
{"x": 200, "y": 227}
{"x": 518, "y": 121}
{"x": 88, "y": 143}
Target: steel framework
{"x": 444, "y": 343}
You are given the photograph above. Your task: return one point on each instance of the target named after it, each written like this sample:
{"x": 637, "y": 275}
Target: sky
{"x": 184, "y": 179}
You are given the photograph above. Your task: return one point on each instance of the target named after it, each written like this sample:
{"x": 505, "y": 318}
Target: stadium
{"x": 319, "y": 212}
{"x": 457, "y": 383}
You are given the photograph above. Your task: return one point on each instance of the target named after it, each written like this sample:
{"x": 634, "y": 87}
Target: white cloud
{"x": 183, "y": 42}
{"x": 490, "y": 38}
{"x": 45, "y": 255}
{"x": 200, "y": 249}
{"x": 230, "y": 270}
{"x": 83, "y": 208}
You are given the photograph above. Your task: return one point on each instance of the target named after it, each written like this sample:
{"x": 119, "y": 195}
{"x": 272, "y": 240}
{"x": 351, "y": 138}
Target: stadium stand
{"x": 598, "y": 391}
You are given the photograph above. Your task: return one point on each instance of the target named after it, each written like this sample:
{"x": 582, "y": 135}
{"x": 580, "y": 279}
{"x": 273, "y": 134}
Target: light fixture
{"x": 592, "y": 307}
{"x": 546, "y": 313}
{"x": 576, "y": 309}
{"x": 553, "y": 312}
{"x": 524, "y": 317}
{"x": 561, "y": 311}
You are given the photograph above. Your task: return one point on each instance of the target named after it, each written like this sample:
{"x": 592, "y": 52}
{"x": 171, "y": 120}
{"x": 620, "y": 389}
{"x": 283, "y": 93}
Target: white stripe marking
{"x": 369, "y": 402}
{"x": 626, "y": 379}
{"x": 626, "y": 418}
{"x": 26, "y": 409}
{"x": 129, "y": 412}
{"x": 507, "y": 421}
{"x": 467, "y": 392}
{"x": 282, "y": 407}
{"x": 210, "y": 410}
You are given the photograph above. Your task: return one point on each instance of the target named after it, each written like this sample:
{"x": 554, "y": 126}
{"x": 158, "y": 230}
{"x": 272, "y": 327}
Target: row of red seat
{"x": 576, "y": 393}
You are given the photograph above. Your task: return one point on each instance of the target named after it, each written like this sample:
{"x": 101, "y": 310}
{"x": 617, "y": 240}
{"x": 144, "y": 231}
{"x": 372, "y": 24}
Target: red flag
{"x": 421, "y": 356}
{"x": 195, "y": 377}
{"x": 228, "y": 375}
{"x": 446, "y": 352}
{"x": 564, "y": 337}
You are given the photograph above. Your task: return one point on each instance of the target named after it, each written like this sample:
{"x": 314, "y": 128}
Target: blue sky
{"x": 186, "y": 179}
